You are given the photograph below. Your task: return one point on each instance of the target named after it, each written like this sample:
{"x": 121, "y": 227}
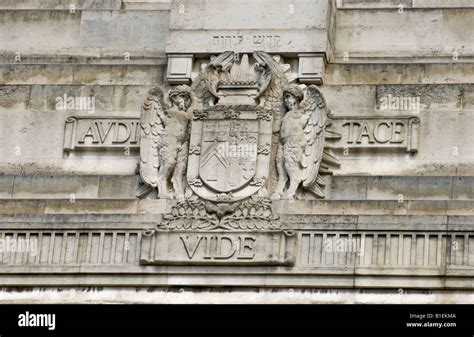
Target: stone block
{"x": 13, "y": 97}
{"x": 467, "y": 98}
{"x": 429, "y": 98}
{"x": 459, "y": 223}
{"x": 18, "y": 74}
{"x": 463, "y": 188}
{"x": 84, "y": 33}
{"x": 420, "y": 34}
{"x": 60, "y": 5}
{"x": 142, "y": 5}
{"x": 344, "y": 207}
{"x": 56, "y": 187}
{"x": 25, "y": 128}
{"x": 311, "y": 68}
{"x": 442, "y": 4}
{"x": 347, "y": 188}
{"x": 400, "y": 223}
{"x": 460, "y": 207}
{"x": 105, "y": 100}
{"x": 6, "y": 186}
{"x": 124, "y": 32}
{"x": 337, "y": 73}
{"x": 408, "y": 188}
{"x": 359, "y": 99}
{"x": 455, "y": 144}
{"x": 160, "y": 206}
{"x": 272, "y": 14}
{"x": 91, "y": 207}
{"x": 371, "y": 4}
{"x": 273, "y": 26}
{"x": 117, "y": 187}
{"x": 22, "y": 207}
{"x": 117, "y": 75}
{"x": 179, "y": 68}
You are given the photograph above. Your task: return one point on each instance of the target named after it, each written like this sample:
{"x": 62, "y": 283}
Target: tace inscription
{"x": 376, "y": 132}
{"x": 218, "y": 248}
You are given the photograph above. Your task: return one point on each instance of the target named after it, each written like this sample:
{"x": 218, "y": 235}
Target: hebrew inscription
{"x": 256, "y": 40}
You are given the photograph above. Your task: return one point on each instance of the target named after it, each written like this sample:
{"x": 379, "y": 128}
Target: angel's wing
{"x": 205, "y": 84}
{"x": 272, "y": 81}
{"x": 314, "y": 107}
{"x": 152, "y": 128}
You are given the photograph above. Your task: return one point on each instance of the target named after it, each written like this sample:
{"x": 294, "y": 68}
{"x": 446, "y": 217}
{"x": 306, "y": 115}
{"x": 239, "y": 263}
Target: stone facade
{"x": 360, "y": 112}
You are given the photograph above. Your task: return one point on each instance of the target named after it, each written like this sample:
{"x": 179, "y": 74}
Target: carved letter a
{"x": 186, "y": 246}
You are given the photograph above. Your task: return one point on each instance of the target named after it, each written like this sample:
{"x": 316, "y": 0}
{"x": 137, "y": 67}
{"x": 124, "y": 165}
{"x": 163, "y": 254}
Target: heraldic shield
{"x": 229, "y": 152}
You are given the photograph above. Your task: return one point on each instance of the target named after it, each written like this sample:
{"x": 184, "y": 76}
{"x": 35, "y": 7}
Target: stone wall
{"x": 413, "y": 211}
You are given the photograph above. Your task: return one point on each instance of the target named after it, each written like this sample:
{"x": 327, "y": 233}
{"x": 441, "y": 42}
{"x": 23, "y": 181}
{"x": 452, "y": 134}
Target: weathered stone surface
{"x": 398, "y": 192}
{"x": 117, "y": 187}
{"x": 36, "y": 74}
{"x": 147, "y": 4}
{"x": 61, "y": 5}
{"x": 267, "y": 28}
{"x": 84, "y": 32}
{"x": 6, "y": 186}
{"x": 393, "y": 73}
{"x": 14, "y": 97}
{"x": 408, "y": 35}
{"x": 55, "y": 188}
{"x": 390, "y": 207}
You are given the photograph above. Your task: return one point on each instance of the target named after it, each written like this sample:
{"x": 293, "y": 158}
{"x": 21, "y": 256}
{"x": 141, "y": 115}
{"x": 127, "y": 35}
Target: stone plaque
{"x": 188, "y": 247}
{"x": 101, "y": 133}
{"x": 376, "y": 132}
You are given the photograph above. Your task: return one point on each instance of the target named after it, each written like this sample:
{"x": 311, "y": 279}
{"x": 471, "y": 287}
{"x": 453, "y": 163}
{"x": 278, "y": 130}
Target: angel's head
{"x": 180, "y": 97}
{"x": 292, "y": 96}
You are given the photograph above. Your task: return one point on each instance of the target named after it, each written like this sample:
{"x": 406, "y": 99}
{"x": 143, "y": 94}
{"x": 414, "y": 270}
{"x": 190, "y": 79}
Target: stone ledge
{"x": 200, "y": 295}
{"x": 301, "y": 221}
{"x": 79, "y": 5}
{"x": 392, "y": 257}
{"x": 81, "y": 74}
{"x": 407, "y": 4}
{"x": 340, "y": 188}
{"x": 329, "y": 207}
{"x": 398, "y": 74}
{"x": 84, "y": 32}
{"x": 86, "y": 5}
{"x": 244, "y": 280}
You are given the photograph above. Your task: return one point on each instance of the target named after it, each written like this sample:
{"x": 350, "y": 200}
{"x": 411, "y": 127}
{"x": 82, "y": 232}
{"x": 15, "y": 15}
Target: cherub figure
{"x": 164, "y": 142}
{"x": 301, "y": 143}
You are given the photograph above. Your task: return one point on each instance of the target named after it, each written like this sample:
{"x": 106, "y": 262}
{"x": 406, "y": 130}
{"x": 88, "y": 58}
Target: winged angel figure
{"x": 301, "y": 145}
{"x": 164, "y": 142}
{"x": 299, "y": 128}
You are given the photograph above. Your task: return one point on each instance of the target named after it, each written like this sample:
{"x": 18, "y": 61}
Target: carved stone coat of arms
{"x": 241, "y": 136}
